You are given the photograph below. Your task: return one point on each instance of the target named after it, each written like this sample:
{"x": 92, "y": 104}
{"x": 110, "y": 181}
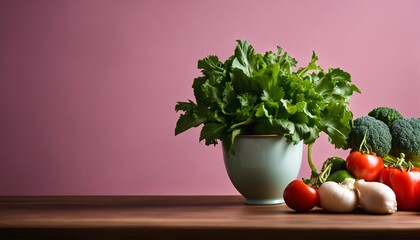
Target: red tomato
{"x": 406, "y": 185}
{"x": 384, "y": 177}
{"x": 364, "y": 166}
{"x": 300, "y": 197}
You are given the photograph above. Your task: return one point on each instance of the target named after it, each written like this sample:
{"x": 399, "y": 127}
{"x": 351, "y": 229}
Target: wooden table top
{"x": 187, "y": 217}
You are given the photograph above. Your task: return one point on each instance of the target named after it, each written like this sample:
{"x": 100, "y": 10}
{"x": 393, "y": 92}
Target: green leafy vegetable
{"x": 252, "y": 93}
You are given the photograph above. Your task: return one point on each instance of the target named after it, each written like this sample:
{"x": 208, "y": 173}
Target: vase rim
{"x": 273, "y": 135}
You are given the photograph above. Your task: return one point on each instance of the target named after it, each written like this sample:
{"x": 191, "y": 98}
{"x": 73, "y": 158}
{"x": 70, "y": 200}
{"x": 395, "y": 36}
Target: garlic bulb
{"x": 376, "y": 197}
{"x": 335, "y": 197}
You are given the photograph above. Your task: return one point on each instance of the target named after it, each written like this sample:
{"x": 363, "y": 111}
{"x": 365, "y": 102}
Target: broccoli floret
{"x": 386, "y": 114}
{"x": 378, "y": 136}
{"x": 406, "y": 138}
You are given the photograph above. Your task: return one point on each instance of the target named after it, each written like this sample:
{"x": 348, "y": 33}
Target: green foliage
{"x": 378, "y": 136}
{"x": 406, "y": 138}
{"x": 386, "y": 114}
{"x": 251, "y": 93}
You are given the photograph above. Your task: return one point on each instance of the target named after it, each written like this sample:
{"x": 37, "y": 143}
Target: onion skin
{"x": 334, "y": 197}
{"x": 376, "y": 197}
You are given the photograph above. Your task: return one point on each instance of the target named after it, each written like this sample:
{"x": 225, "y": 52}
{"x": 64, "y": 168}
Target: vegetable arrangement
{"x": 252, "y": 93}
{"x": 371, "y": 177}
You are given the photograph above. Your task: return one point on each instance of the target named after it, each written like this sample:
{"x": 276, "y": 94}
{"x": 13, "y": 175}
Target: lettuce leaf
{"x": 251, "y": 93}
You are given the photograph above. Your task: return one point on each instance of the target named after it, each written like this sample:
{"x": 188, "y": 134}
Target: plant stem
{"x": 248, "y": 121}
{"x": 311, "y": 163}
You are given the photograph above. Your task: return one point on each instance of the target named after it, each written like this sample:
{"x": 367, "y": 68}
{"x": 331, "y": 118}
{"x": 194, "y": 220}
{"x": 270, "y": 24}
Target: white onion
{"x": 335, "y": 197}
{"x": 376, "y": 197}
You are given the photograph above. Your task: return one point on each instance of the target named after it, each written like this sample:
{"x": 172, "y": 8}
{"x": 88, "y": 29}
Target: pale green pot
{"x": 262, "y": 167}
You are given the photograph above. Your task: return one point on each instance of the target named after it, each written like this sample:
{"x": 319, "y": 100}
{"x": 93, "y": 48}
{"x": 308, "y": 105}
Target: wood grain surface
{"x": 187, "y": 217}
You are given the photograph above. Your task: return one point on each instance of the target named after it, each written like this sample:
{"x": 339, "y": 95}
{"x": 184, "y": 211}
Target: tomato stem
{"x": 364, "y": 146}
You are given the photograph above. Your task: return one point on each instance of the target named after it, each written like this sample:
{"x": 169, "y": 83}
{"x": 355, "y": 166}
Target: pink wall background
{"x": 88, "y": 88}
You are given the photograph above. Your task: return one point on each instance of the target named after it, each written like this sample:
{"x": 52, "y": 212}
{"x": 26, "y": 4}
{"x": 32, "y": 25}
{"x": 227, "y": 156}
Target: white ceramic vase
{"x": 262, "y": 167}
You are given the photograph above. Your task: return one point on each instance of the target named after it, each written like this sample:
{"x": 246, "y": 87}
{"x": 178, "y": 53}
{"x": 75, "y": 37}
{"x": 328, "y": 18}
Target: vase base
{"x": 264, "y": 202}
